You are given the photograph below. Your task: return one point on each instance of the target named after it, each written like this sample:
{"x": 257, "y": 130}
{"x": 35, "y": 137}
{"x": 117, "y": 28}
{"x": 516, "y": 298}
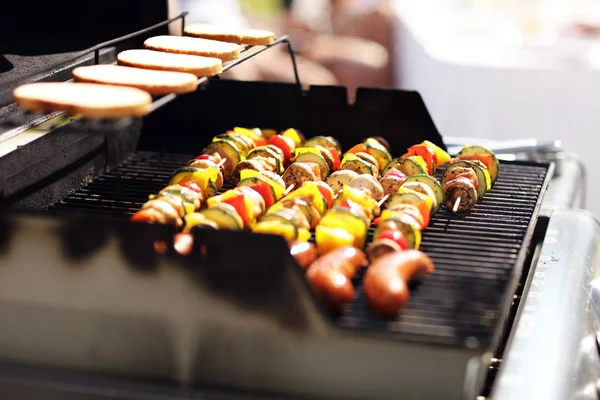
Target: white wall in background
{"x": 481, "y": 87}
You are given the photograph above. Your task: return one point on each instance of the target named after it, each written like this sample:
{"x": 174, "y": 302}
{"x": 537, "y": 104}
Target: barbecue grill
{"x": 90, "y": 309}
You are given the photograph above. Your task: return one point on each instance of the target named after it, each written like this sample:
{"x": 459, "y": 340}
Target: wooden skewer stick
{"x": 220, "y": 164}
{"x": 456, "y": 204}
{"x": 383, "y": 199}
{"x": 289, "y": 189}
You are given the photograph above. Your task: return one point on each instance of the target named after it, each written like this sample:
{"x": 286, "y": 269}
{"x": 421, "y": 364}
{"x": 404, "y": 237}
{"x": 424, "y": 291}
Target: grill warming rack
{"x": 247, "y": 53}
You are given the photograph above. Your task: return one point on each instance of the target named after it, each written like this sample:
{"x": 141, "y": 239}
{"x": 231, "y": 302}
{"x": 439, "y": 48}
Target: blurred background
{"x": 495, "y": 69}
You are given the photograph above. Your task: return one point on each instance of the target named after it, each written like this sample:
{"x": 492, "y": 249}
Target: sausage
{"x": 304, "y": 253}
{"x": 330, "y": 275}
{"x": 380, "y": 247}
{"x": 460, "y": 187}
{"x": 386, "y": 280}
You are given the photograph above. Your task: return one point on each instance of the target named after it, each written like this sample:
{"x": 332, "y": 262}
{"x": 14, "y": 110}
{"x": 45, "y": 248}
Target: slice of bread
{"x": 89, "y": 100}
{"x": 153, "y": 82}
{"x": 149, "y": 59}
{"x": 253, "y": 37}
{"x": 194, "y": 46}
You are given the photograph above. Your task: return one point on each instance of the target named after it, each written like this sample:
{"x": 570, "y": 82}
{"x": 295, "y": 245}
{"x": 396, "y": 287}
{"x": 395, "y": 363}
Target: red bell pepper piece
{"x": 282, "y": 144}
{"x": 395, "y": 236}
{"x": 326, "y": 191}
{"x": 426, "y": 153}
{"x": 345, "y": 204}
{"x": 336, "y": 158}
{"x": 266, "y": 193}
{"x": 141, "y": 216}
{"x": 239, "y": 203}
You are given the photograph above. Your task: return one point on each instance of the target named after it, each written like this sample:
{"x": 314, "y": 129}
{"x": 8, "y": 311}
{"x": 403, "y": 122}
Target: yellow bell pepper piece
{"x": 442, "y": 156}
{"x": 247, "y": 132}
{"x": 213, "y": 201}
{"x": 294, "y": 135}
{"x": 358, "y": 196}
{"x": 329, "y": 238}
{"x": 302, "y": 150}
{"x": 303, "y": 235}
{"x": 199, "y": 176}
{"x": 314, "y": 195}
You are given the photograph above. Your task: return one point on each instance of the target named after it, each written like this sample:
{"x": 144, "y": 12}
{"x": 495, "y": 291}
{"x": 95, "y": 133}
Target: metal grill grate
{"x": 474, "y": 254}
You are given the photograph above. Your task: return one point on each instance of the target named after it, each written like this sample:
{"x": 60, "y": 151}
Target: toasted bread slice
{"x": 153, "y": 82}
{"x": 157, "y": 60}
{"x": 194, "y": 46}
{"x": 253, "y": 37}
{"x": 89, "y": 100}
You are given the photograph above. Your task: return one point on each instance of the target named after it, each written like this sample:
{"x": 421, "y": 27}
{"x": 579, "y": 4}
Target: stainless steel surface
{"x": 552, "y": 352}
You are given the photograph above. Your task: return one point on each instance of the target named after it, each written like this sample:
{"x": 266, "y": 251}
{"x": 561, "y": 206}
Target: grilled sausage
{"x": 330, "y": 275}
{"x": 298, "y": 173}
{"x": 380, "y": 247}
{"x": 390, "y": 184}
{"x": 242, "y": 165}
{"x": 338, "y": 179}
{"x": 304, "y": 253}
{"x": 368, "y": 182}
{"x": 460, "y": 187}
{"x": 386, "y": 280}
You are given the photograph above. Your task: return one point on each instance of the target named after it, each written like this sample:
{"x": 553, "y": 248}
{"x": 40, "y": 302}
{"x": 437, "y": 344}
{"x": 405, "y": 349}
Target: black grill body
{"x": 237, "y": 312}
